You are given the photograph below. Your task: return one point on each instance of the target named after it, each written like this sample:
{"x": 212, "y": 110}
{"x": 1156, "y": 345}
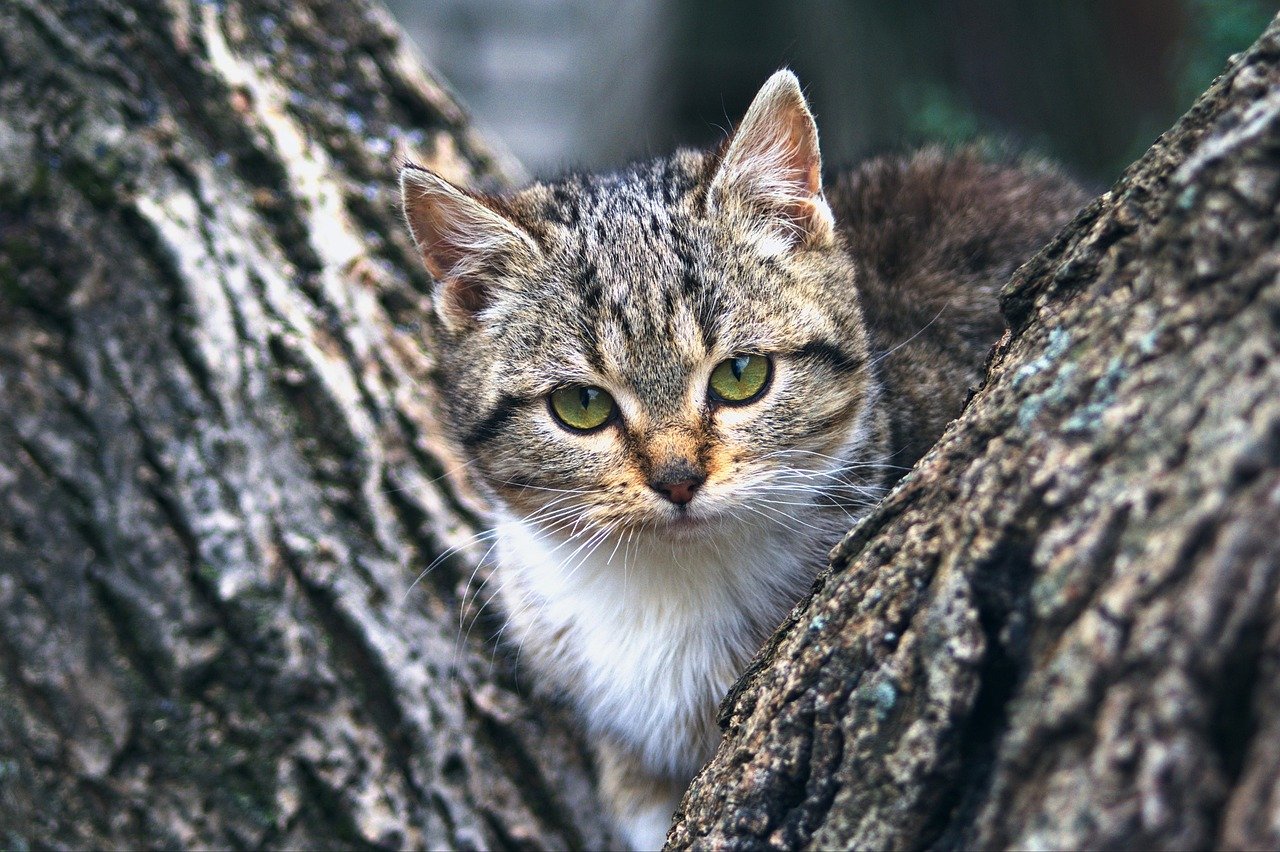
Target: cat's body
{"x": 681, "y": 383}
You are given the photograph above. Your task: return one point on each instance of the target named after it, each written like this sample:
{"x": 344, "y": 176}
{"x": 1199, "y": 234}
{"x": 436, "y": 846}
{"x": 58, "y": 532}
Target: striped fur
{"x": 876, "y": 303}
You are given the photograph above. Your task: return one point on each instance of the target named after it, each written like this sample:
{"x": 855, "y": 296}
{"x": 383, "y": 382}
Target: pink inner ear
{"x": 440, "y": 252}
{"x": 812, "y": 168}
{"x": 460, "y": 238}
{"x": 466, "y": 293}
{"x": 455, "y": 262}
{"x": 800, "y": 150}
{"x": 773, "y": 163}
{"x": 799, "y": 166}
{"x": 444, "y": 258}
{"x": 430, "y": 213}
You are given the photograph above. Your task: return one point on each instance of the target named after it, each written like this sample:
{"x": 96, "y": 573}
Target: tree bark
{"x": 1062, "y": 629}
{"x": 218, "y": 475}
{"x": 220, "y": 482}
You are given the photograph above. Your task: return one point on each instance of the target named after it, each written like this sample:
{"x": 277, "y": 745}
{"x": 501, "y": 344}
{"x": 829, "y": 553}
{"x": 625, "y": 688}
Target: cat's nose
{"x": 678, "y": 484}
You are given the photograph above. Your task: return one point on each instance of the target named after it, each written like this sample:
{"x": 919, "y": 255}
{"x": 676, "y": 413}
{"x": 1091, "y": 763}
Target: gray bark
{"x": 1062, "y": 630}
{"x": 218, "y": 475}
{"x": 219, "y": 479}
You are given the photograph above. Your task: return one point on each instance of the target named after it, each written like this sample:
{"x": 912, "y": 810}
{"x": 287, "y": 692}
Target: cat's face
{"x": 656, "y": 350}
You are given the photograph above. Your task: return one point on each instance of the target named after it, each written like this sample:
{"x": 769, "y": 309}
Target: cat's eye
{"x": 582, "y": 407}
{"x": 740, "y": 379}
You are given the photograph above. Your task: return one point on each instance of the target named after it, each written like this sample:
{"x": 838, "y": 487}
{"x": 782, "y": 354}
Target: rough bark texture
{"x": 219, "y": 479}
{"x": 217, "y": 472}
{"x": 1062, "y": 630}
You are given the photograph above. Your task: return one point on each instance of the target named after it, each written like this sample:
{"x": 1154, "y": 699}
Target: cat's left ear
{"x": 774, "y": 168}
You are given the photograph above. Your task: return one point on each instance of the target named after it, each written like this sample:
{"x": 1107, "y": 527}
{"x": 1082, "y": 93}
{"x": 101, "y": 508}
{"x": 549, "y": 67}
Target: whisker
{"x": 480, "y": 536}
{"x": 462, "y": 607}
{"x": 532, "y": 487}
{"x": 922, "y": 330}
{"x": 848, "y": 462}
{"x": 779, "y": 514}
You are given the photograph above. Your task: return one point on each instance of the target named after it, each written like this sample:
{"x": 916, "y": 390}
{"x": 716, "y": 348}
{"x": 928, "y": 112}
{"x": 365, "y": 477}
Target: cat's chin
{"x": 684, "y": 525}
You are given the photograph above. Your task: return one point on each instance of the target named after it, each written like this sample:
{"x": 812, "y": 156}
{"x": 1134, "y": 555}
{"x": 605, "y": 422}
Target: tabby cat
{"x": 680, "y": 383}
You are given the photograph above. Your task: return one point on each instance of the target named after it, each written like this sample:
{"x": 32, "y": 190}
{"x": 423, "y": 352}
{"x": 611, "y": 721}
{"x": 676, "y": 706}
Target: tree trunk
{"x": 218, "y": 477}
{"x": 219, "y": 481}
{"x": 1062, "y": 630}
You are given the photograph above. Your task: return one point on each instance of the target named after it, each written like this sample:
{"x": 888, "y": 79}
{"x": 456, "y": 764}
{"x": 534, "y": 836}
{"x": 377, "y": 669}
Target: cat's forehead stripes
{"x": 643, "y": 311}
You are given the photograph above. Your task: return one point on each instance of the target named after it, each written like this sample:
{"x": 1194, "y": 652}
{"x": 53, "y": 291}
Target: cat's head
{"x": 664, "y": 348}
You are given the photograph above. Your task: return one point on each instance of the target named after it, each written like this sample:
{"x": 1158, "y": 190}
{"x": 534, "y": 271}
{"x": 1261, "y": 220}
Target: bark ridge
{"x": 218, "y": 477}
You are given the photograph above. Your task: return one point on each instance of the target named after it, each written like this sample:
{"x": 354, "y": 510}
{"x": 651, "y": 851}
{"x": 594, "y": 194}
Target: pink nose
{"x": 679, "y": 491}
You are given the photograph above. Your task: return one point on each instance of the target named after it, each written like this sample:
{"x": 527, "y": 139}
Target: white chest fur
{"x": 645, "y": 635}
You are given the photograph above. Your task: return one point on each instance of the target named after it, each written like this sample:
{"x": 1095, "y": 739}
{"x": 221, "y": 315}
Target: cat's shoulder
{"x": 950, "y": 208}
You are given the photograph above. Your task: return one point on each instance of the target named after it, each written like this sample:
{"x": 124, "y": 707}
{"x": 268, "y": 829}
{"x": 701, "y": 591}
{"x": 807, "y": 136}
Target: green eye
{"x": 581, "y": 407}
{"x": 740, "y": 379}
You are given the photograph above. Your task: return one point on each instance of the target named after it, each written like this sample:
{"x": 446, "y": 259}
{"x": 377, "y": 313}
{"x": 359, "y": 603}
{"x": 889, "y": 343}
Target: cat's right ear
{"x": 464, "y": 242}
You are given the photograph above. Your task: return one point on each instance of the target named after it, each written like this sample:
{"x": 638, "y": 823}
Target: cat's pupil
{"x": 739, "y": 365}
{"x": 585, "y": 395}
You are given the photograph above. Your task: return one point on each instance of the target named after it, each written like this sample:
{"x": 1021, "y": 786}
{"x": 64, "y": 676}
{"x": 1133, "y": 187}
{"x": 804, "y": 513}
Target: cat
{"x": 679, "y": 384}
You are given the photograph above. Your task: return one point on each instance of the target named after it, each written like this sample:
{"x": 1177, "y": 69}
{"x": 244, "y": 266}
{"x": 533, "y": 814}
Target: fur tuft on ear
{"x": 462, "y": 241}
{"x": 773, "y": 166}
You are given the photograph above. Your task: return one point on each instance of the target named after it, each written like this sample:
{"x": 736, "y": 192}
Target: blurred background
{"x": 588, "y": 84}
